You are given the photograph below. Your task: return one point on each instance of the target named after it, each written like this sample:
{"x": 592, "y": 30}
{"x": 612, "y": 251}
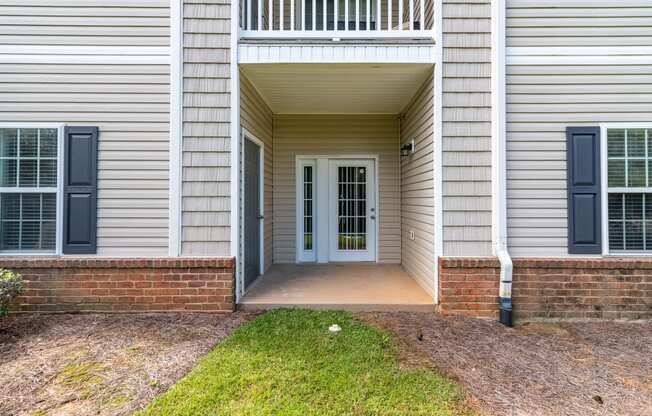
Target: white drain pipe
{"x": 499, "y": 158}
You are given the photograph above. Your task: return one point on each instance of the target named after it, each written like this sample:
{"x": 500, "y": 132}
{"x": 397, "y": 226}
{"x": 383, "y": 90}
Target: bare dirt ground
{"x": 536, "y": 369}
{"x": 100, "y": 364}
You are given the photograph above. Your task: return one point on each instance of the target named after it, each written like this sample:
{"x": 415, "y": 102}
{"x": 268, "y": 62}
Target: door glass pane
{"x": 352, "y": 208}
{"x": 307, "y": 207}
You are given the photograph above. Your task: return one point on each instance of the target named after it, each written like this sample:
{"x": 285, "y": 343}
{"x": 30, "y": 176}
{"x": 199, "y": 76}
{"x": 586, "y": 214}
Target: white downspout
{"x": 499, "y": 158}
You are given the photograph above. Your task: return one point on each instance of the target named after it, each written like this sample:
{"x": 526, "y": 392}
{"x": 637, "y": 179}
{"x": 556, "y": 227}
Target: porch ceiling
{"x": 337, "y": 88}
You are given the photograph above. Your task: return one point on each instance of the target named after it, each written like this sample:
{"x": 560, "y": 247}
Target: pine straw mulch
{"x": 100, "y": 364}
{"x": 537, "y": 369}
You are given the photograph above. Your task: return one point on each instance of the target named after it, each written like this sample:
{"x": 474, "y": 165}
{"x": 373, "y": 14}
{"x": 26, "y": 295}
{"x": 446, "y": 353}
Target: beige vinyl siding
{"x": 417, "y": 189}
{"x": 545, "y": 99}
{"x": 579, "y": 23}
{"x": 257, "y": 118}
{"x": 336, "y": 135}
{"x": 206, "y": 129}
{"x": 128, "y": 102}
{"x": 85, "y": 22}
{"x": 467, "y": 128}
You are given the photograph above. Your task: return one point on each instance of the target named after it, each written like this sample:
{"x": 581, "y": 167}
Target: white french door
{"x": 336, "y": 210}
{"x": 352, "y": 213}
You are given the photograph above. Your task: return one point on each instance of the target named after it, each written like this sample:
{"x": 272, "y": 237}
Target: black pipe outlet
{"x": 506, "y": 312}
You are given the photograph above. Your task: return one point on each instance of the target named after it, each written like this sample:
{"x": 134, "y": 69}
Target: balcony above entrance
{"x": 337, "y": 19}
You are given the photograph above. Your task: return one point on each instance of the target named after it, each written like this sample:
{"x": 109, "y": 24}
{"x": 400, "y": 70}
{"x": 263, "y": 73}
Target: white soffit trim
{"x": 579, "y": 55}
{"x": 176, "y": 125}
{"x": 100, "y": 55}
{"x": 332, "y": 53}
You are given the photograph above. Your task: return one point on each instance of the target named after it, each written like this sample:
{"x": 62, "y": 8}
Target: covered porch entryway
{"x": 336, "y": 186}
{"x": 350, "y": 286}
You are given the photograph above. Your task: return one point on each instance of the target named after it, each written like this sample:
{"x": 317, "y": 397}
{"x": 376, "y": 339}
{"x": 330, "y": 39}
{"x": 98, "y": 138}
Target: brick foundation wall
{"x": 550, "y": 288}
{"x": 124, "y": 285}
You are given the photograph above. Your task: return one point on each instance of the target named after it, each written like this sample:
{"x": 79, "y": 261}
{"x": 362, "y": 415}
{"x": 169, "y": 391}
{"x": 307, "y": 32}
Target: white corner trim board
{"x": 438, "y": 180}
{"x": 235, "y": 151}
{"x": 579, "y": 55}
{"x": 176, "y": 126}
{"x": 334, "y": 53}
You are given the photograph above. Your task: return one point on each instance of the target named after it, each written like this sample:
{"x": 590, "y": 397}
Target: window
{"x": 629, "y": 189}
{"x": 28, "y": 189}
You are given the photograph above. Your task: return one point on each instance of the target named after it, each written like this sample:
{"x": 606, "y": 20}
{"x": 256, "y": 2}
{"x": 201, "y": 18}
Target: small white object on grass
{"x": 335, "y": 328}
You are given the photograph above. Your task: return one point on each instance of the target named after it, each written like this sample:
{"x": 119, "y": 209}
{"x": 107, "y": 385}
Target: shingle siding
{"x": 467, "y": 127}
{"x": 206, "y": 223}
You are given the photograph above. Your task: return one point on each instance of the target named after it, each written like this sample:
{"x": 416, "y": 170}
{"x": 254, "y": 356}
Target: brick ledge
{"x": 549, "y": 263}
{"x": 116, "y": 263}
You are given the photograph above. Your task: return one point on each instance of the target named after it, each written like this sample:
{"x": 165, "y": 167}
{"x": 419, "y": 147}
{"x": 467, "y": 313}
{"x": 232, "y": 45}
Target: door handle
{"x": 373, "y": 217}
{"x": 260, "y": 217}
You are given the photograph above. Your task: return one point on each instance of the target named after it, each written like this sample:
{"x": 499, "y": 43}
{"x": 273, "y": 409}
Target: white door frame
{"x": 322, "y": 193}
{"x": 246, "y": 135}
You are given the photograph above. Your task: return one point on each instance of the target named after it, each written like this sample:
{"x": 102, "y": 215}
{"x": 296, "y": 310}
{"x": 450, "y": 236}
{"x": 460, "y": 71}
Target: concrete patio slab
{"x": 347, "y": 286}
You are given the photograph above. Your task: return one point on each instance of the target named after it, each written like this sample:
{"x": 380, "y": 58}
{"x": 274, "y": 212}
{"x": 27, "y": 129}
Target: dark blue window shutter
{"x": 584, "y": 195}
{"x": 80, "y": 190}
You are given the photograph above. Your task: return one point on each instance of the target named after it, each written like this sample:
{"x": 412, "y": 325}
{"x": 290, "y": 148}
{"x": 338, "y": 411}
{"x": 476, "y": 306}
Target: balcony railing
{"x": 360, "y": 19}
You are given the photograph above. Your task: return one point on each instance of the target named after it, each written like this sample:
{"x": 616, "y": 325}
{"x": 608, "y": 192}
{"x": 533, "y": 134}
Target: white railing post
{"x": 260, "y": 15}
{"x": 411, "y": 22}
{"x": 378, "y": 15}
{"x": 292, "y": 15}
{"x": 303, "y": 15}
{"x": 389, "y": 15}
{"x": 336, "y": 15}
{"x": 346, "y": 14}
{"x": 368, "y": 13}
{"x": 325, "y": 16}
{"x": 357, "y": 15}
{"x": 314, "y": 14}
{"x": 422, "y": 15}
{"x": 281, "y": 14}
{"x": 400, "y": 14}
{"x": 270, "y": 16}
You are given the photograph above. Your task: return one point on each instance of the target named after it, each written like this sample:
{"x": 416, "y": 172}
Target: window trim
{"x": 604, "y": 169}
{"x": 58, "y": 189}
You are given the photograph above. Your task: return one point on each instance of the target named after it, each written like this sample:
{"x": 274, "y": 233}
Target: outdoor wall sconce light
{"x": 407, "y": 149}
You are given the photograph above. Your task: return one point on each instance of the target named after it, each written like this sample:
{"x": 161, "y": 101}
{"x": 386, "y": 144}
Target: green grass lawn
{"x": 286, "y": 362}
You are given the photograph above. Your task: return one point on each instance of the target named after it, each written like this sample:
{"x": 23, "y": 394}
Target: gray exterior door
{"x": 252, "y": 215}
